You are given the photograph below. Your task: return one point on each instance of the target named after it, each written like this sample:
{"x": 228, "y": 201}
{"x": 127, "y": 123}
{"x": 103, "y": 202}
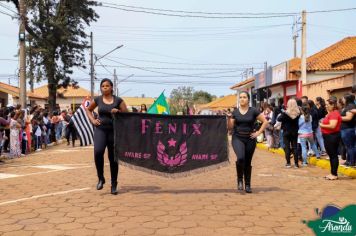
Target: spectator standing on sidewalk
{"x": 322, "y": 112}
{"x": 290, "y": 127}
{"x": 330, "y": 127}
{"x": 15, "y": 148}
{"x": 348, "y": 129}
{"x": 305, "y": 133}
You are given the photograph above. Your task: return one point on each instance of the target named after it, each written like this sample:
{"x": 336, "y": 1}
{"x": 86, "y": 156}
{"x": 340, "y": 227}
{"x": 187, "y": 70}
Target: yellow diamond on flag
{"x": 161, "y": 109}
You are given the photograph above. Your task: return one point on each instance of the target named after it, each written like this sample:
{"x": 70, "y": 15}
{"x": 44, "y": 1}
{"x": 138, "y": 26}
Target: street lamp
{"x": 92, "y": 64}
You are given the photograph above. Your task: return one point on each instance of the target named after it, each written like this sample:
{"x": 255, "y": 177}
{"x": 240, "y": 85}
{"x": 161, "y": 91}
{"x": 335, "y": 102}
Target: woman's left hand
{"x": 254, "y": 135}
{"x": 114, "y": 110}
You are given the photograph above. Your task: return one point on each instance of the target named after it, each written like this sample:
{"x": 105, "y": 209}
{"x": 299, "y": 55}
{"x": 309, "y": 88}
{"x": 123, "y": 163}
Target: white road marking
{"x": 6, "y": 176}
{"x": 55, "y": 167}
{"x": 43, "y": 195}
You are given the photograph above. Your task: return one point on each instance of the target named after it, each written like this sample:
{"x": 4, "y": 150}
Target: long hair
{"x": 292, "y": 108}
{"x": 306, "y": 112}
{"x": 349, "y": 99}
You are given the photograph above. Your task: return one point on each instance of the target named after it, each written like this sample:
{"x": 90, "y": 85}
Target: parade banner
{"x": 170, "y": 145}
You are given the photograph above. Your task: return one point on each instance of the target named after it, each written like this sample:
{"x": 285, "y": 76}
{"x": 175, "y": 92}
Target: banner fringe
{"x": 176, "y": 175}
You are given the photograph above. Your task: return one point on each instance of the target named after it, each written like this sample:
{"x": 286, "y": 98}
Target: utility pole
{"x": 115, "y": 84}
{"x": 22, "y": 44}
{"x": 304, "y": 49}
{"x": 295, "y": 44}
{"x": 91, "y": 67}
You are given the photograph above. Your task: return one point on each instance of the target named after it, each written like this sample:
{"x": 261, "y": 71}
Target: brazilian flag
{"x": 160, "y": 106}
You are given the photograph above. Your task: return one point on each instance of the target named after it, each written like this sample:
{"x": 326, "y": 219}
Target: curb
{"x": 322, "y": 163}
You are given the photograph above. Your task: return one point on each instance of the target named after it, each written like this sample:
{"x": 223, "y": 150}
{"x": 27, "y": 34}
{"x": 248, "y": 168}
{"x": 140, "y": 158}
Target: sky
{"x": 161, "y": 53}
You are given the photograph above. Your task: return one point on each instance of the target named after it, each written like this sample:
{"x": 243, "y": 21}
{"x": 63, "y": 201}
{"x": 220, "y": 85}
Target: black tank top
{"x": 104, "y": 111}
{"x": 244, "y": 124}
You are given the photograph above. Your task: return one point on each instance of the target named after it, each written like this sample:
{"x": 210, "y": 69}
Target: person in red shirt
{"x": 330, "y": 128}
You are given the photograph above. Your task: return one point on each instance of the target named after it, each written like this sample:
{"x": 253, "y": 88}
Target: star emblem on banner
{"x": 172, "y": 142}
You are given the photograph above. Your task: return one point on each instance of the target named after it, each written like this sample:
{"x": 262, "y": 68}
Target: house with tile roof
{"x": 331, "y": 71}
{"x": 67, "y": 98}
{"x": 9, "y": 95}
{"x": 223, "y": 103}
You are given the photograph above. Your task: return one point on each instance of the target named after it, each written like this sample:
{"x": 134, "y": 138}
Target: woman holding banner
{"x": 107, "y": 104}
{"x": 242, "y": 121}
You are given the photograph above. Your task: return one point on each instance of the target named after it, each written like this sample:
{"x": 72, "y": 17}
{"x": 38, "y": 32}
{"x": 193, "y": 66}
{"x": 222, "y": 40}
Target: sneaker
{"x": 37, "y": 150}
{"x": 288, "y": 166}
{"x": 296, "y": 166}
{"x": 310, "y": 153}
{"x": 305, "y": 164}
{"x": 323, "y": 153}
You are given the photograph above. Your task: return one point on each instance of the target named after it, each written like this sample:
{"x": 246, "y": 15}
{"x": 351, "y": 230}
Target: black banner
{"x": 170, "y": 144}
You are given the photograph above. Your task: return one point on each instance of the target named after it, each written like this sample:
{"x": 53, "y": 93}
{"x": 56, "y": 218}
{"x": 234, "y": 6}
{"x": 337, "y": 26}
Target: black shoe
{"x": 240, "y": 185}
{"x": 240, "y": 174}
{"x": 100, "y": 184}
{"x": 248, "y": 188}
{"x": 114, "y": 189}
{"x": 247, "y": 175}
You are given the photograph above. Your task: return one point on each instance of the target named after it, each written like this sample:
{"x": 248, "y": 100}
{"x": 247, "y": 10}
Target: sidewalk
{"x": 323, "y": 163}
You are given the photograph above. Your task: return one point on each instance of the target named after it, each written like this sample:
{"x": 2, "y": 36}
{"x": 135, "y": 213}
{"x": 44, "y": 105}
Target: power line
{"x": 199, "y": 12}
{"x": 8, "y": 8}
{"x": 332, "y": 10}
{"x": 158, "y": 72}
{"x": 196, "y": 16}
{"x": 192, "y": 64}
{"x": 186, "y": 69}
{"x": 5, "y": 13}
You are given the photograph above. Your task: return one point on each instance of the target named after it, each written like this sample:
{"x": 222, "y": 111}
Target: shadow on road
{"x": 158, "y": 190}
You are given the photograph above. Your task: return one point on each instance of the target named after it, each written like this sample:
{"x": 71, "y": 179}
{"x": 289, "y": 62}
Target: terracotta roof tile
{"x": 252, "y": 79}
{"x": 15, "y": 91}
{"x": 228, "y": 101}
{"x": 339, "y": 51}
{"x": 323, "y": 60}
{"x": 137, "y": 101}
{"x": 68, "y": 92}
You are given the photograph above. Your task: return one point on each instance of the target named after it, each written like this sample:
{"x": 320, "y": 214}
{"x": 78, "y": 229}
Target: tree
{"x": 58, "y": 39}
{"x": 179, "y": 98}
{"x": 202, "y": 97}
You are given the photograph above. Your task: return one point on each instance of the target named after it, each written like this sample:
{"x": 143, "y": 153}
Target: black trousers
{"x": 71, "y": 131}
{"x": 104, "y": 138}
{"x": 290, "y": 143}
{"x": 332, "y": 142}
{"x": 244, "y": 148}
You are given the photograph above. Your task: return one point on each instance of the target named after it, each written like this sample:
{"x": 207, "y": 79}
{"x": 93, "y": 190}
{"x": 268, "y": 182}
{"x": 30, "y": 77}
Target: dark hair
{"x": 109, "y": 81}
{"x": 280, "y": 102}
{"x": 299, "y": 102}
{"x": 349, "y": 99}
{"x": 12, "y": 114}
{"x": 321, "y": 101}
{"x": 332, "y": 101}
{"x": 353, "y": 89}
{"x": 145, "y": 107}
{"x": 305, "y": 97}
{"x": 247, "y": 94}
{"x": 306, "y": 112}
{"x": 311, "y": 104}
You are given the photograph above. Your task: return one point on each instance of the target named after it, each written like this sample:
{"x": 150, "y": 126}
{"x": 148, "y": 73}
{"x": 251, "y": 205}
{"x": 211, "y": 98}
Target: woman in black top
{"x": 242, "y": 121}
{"x": 107, "y": 104}
{"x": 290, "y": 127}
{"x": 348, "y": 126}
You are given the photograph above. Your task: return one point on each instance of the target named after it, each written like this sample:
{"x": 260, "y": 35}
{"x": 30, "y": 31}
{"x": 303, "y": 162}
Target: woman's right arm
{"x": 89, "y": 112}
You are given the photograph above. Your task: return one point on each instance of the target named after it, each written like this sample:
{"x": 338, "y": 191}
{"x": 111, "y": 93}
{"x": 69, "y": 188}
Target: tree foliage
{"x": 182, "y": 97}
{"x": 202, "y": 97}
{"x": 58, "y": 40}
